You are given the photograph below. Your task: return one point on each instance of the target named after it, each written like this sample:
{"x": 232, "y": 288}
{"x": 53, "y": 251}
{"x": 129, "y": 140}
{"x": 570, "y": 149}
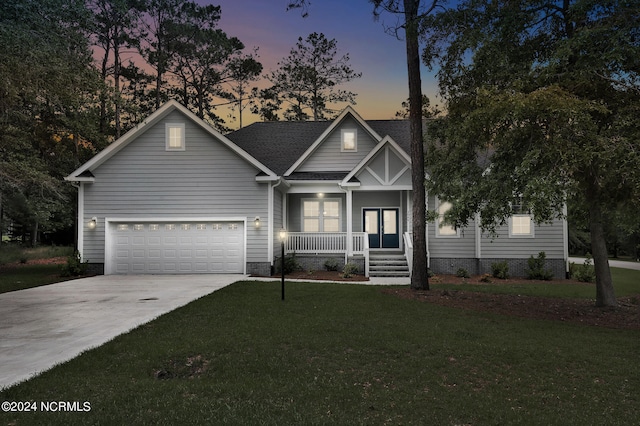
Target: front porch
{"x": 321, "y": 246}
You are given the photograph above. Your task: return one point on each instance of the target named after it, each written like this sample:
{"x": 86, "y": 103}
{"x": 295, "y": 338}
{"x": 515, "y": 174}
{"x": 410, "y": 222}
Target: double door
{"x": 382, "y": 227}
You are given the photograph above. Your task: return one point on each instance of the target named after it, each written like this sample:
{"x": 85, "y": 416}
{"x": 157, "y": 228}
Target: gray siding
{"x": 374, "y": 199}
{"x": 205, "y": 180}
{"x": 278, "y": 222}
{"x": 547, "y": 238}
{"x": 328, "y": 157}
{"x": 462, "y": 246}
{"x": 294, "y": 210}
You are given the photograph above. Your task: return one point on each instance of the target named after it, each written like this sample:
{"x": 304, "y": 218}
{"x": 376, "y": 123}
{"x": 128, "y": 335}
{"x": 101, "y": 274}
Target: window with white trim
{"x": 174, "y": 136}
{"x": 349, "y": 140}
{"x": 321, "y": 215}
{"x": 444, "y": 229}
{"x": 520, "y": 223}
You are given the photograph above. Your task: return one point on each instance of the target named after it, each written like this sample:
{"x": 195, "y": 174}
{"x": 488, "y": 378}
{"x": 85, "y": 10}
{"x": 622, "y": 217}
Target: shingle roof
{"x": 279, "y": 144}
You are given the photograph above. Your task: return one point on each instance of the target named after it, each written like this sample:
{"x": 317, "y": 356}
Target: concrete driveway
{"x": 44, "y": 326}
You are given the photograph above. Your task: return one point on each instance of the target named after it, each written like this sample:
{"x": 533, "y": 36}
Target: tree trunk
{"x": 605, "y": 294}
{"x": 419, "y": 277}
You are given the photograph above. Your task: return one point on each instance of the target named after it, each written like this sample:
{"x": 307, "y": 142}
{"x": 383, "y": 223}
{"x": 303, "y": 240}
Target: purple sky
{"x": 380, "y": 57}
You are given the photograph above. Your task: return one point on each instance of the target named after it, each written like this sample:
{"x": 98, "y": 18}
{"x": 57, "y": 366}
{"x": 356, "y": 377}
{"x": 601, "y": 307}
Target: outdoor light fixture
{"x": 256, "y": 222}
{"x": 283, "y": 237}
{"x": 93, "y": 223}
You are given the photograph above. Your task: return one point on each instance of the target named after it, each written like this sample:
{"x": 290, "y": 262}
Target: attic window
{"x": 174, "y": 136}
{"x": 349, "y": 140}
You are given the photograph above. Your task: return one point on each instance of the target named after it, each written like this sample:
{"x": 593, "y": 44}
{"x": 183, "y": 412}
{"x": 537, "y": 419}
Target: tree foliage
{"x": 542, "y": 100}
{"x": 47, "y": 89}
{"x": 307, "y": 81}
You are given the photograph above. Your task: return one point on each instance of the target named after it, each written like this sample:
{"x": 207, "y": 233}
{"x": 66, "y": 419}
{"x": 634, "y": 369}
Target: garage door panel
{"x": 172, "y": 248}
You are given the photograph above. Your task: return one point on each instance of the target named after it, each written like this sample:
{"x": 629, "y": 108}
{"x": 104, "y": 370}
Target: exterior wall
{"x": 294, "y": 209}
{"x": 462, "y": 246}
{"x": 205, "y": 180}
{"x": 547, "y": 238}
{"x": 373, "y": 199}
{"x": 517, "y": 267}
{"x": 328, "y": 156}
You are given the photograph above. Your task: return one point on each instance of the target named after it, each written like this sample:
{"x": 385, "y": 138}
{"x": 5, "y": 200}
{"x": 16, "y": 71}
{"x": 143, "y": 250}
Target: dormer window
{"x": 349, "y": 140}
{"x": 174, "y": 135}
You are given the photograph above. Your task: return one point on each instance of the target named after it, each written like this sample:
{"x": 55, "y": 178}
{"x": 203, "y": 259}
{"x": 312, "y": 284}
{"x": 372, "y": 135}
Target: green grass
{"x": 344, "y": 354}
{"x": 10, "y": 253}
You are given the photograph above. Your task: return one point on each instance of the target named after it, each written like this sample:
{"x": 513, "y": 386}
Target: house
{"x": 174, "y": 196}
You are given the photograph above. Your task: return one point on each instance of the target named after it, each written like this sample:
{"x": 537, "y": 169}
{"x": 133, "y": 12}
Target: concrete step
{"x": 398, "y": 274}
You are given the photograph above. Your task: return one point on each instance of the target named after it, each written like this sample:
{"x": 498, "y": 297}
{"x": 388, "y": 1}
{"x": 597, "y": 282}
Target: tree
{"x": 47, "y": 88}
{"x": 116, "y": 26}
{"x": 307, "y": 79}
{"x": 542, "y": 100}
{"x": 243, "y": 70}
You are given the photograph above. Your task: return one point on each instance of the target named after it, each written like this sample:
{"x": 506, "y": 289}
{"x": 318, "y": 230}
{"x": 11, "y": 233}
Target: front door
{"x": 381, "y": 225}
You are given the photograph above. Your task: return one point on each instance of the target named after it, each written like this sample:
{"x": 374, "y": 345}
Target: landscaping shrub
{"x": 462, "y": 273}
{"x": 536, "y": 270}
{"x": 291, "y": 264}
{"x": 75, "y": 266}
{"x": 486, "y": 278}
{"x": 350, "y": 269}
{"x": 331, "y": 264}
{"x": 585, "y": 272}
{"x": 500, "y": 270}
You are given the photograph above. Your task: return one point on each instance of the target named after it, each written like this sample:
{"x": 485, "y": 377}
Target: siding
{"x": 278, "y": 223}
{"x": 463, "y": 246}
{"x": 205, "y": 180}
{"x": 547, "y": 238}
{"x": 328, "y": 157}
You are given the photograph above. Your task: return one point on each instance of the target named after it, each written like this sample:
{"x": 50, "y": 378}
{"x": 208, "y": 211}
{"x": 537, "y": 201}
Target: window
{"x": 349, "y": 140}
{"x": 321, "y": 215}
{"x": 174, "y": 134}
{"x": 443, "y": 229}
{"x": 520, "y": 224}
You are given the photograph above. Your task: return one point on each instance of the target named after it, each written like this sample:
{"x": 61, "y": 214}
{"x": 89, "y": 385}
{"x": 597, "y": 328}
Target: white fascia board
{"x": 331, "y": 128}
{"x": 80, "y": 179}
{"x": 386, "y": 141}
{"x": 165, "y": 109}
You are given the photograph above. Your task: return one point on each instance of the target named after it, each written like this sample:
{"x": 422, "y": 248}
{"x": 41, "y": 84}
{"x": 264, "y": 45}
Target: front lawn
{"x": 344, "y": 354}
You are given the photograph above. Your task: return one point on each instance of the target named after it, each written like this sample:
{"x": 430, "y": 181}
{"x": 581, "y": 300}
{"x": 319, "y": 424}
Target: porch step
{"x": 388, "y": 264}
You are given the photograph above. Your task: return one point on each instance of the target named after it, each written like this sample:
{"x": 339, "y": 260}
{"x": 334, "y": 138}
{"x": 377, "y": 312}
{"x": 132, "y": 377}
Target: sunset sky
{"x": 379, "y": 56}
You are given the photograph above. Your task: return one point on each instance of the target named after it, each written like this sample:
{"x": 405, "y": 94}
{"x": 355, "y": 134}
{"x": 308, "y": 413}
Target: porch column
{"x": 349, "y": 222}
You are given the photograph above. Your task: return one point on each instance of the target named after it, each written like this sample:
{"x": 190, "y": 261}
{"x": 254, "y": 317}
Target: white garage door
{"x": 176, "y": 247}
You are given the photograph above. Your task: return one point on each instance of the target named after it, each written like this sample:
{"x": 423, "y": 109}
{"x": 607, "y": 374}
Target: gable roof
{"x": 387, "y": 141}
{"x": 280, "y": 144}
{"x": 82, "y": 173}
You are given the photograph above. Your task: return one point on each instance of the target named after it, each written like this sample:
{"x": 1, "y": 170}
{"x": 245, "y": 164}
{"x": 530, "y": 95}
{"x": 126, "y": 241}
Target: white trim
{"x": 147, "y": 219}
{"x": 355, "y": 140}
{"x": 478, "y": 233}
{"x": 167, "y": 137}
{"x": 532, "y": 226}
{"x": 331, "y": 128}
{"x": 565, "y": 237}
{"x": 158, "y": 115}
{"x": 387, "y": 141}
{"x": 437, "y": 223}
{"x": 349, "y": 193}
{"x": 80, "y": 224}
{"x": 270, "y": 230}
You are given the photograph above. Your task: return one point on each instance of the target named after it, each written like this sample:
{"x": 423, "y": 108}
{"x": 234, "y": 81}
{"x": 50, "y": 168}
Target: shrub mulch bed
{"x": 581, "y": 311}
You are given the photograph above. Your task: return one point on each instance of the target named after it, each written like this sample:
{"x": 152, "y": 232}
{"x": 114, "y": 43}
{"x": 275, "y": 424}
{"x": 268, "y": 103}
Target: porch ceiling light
{"x": 92, "y": 223}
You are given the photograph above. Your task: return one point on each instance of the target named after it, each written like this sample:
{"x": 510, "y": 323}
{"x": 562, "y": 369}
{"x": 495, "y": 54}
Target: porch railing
{"x": 329, "y": 242}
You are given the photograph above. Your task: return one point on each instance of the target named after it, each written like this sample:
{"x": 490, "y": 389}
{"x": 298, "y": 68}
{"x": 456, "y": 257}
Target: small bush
{"x": 331, "y": 264}
{"x": 462, "y": 273}
{"x": 291, "y": 264}
{"x": 74, "y": 267}
{"x": 536, "y": 270}
{"x": 430, "y": 273}
{"x": 500, "y": 270}
{"x": 585, "y": 273}
{"x": 350, "y": 269}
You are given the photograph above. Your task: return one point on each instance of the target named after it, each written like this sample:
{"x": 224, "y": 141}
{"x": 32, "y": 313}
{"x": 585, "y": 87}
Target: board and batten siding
{"x": 207, "y": 179}
{"x": 328, "y": 156}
